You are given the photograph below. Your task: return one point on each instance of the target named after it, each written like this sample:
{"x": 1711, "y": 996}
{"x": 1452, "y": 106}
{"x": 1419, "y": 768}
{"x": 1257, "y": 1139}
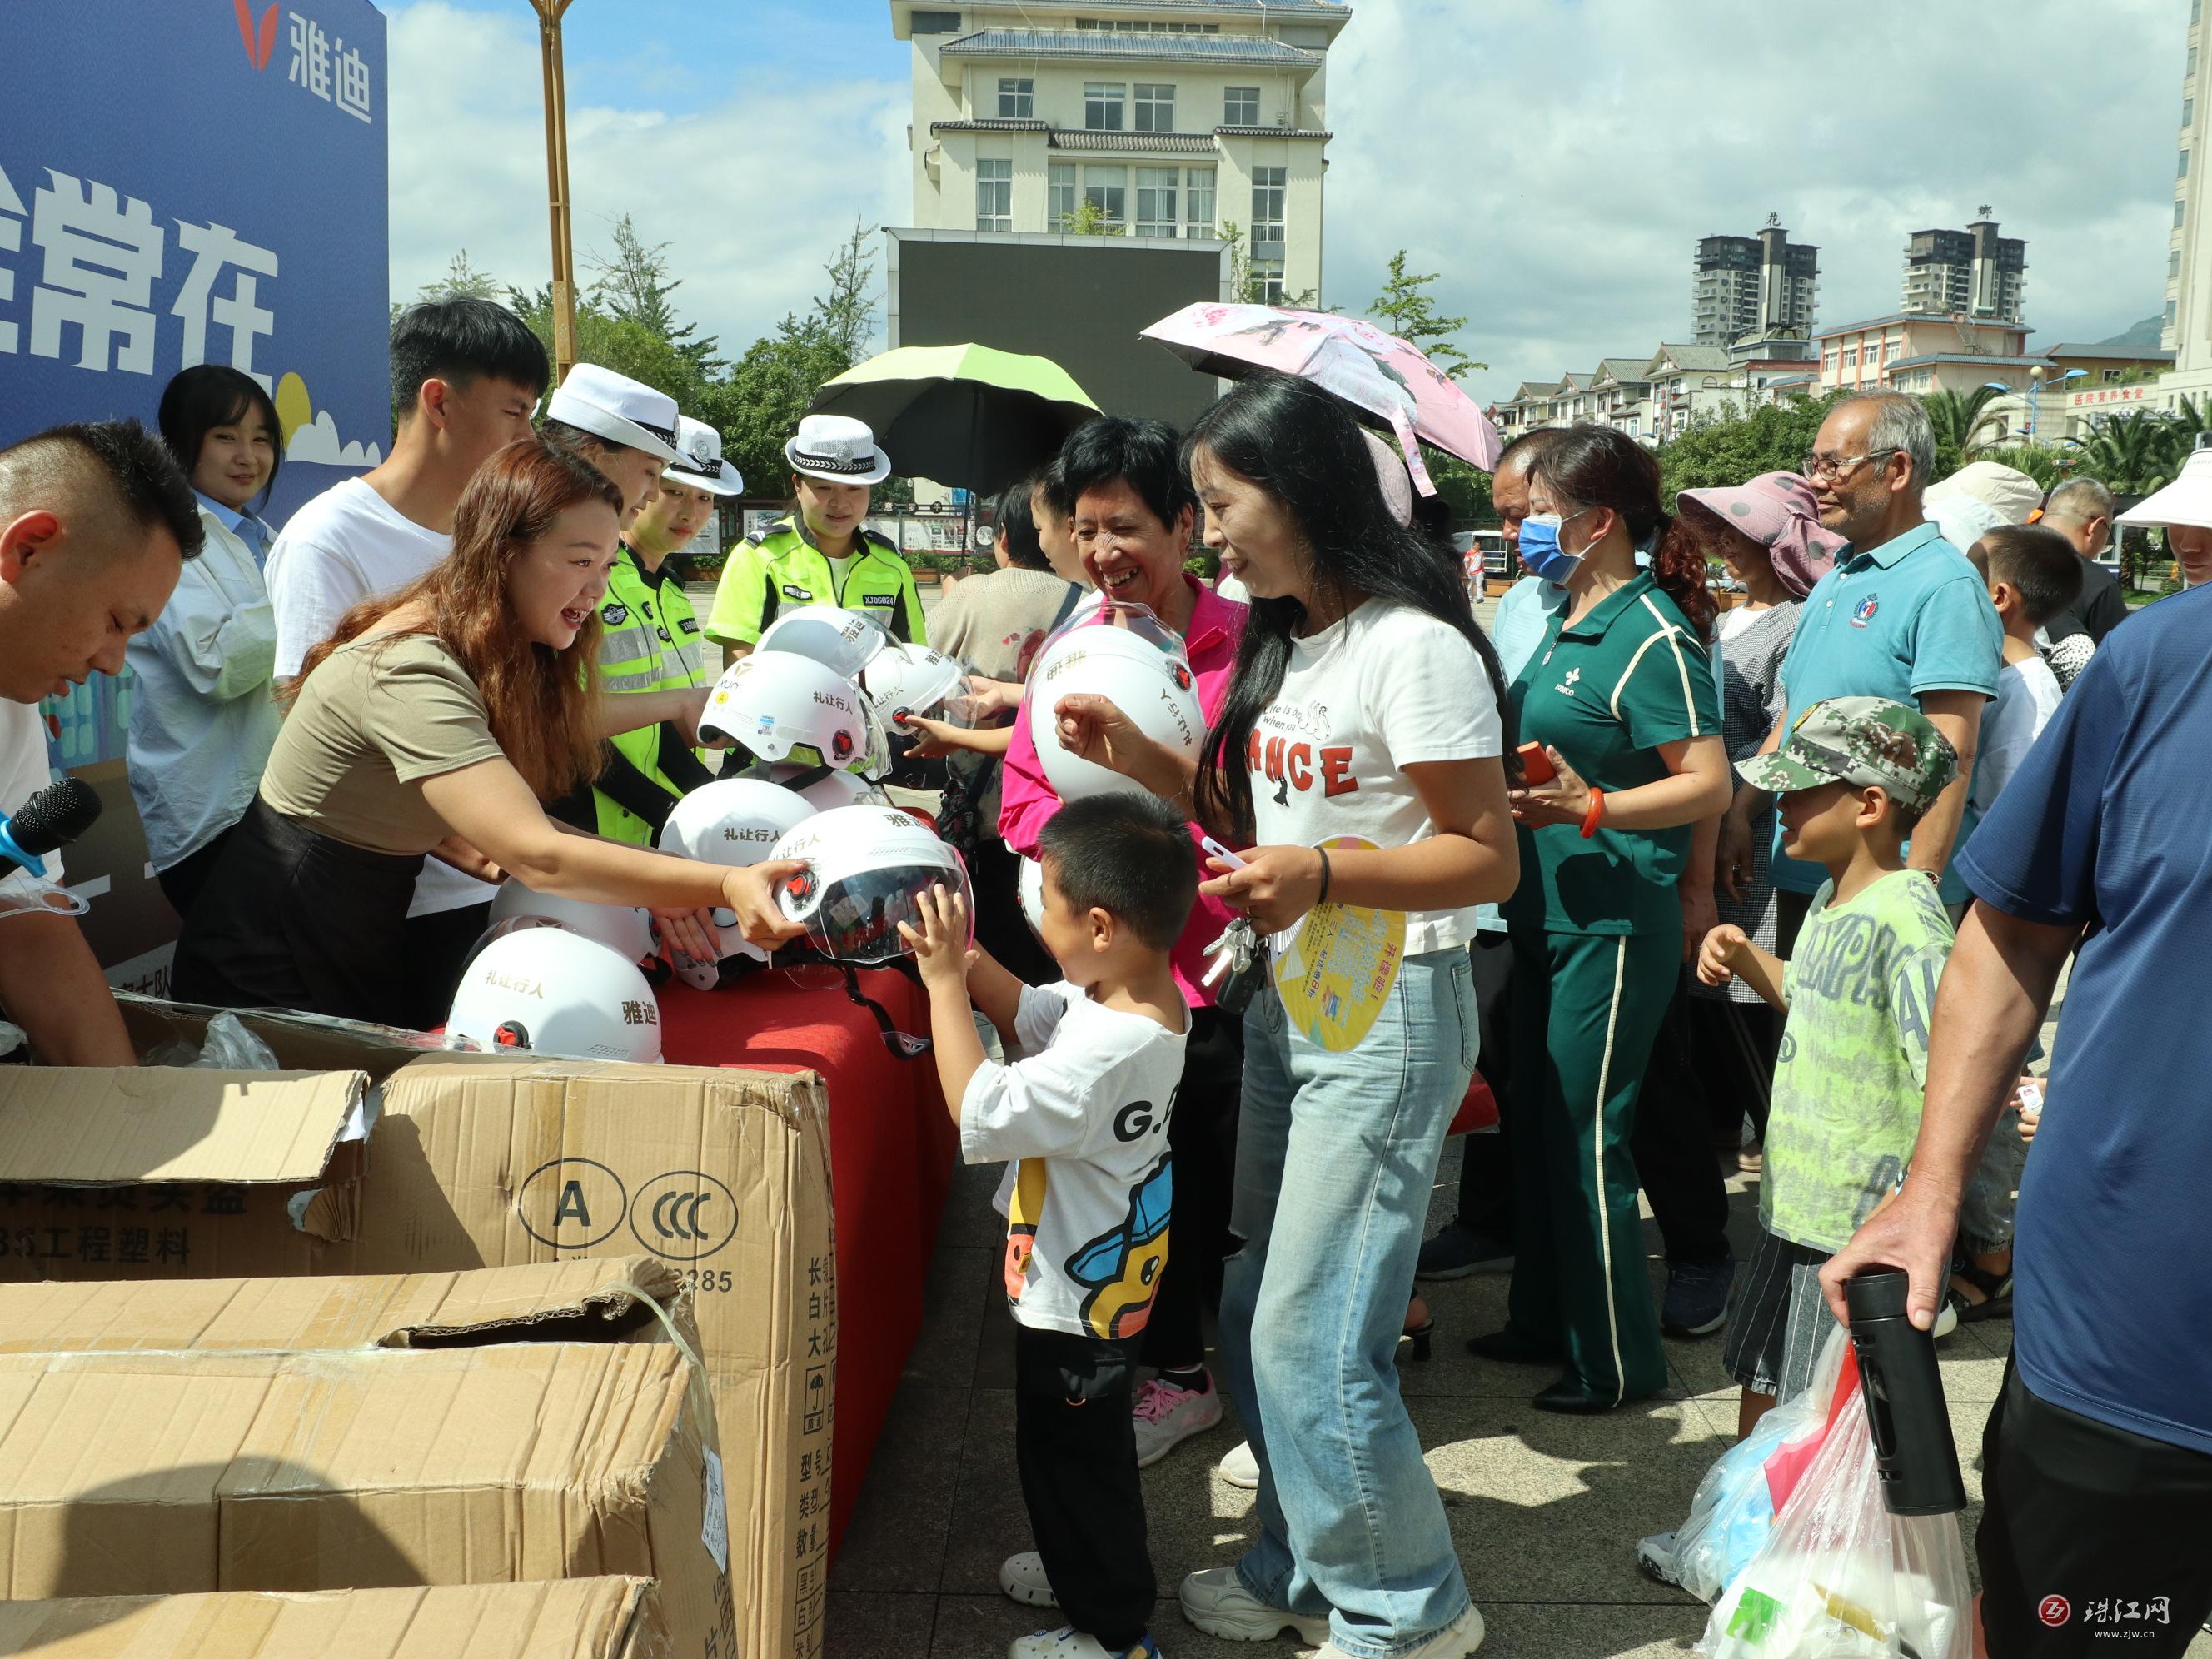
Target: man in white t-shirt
{"x": 95, "y": 522}
{"x": 466, "y": 375}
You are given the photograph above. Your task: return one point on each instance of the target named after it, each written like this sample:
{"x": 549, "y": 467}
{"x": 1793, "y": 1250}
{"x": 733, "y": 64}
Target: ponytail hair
{"x": 1592, "y": 465}
{"x": 1301, "y": 447}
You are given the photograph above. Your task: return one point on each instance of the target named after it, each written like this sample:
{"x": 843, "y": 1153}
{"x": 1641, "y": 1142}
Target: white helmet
{"x": 625, "y": 931}
{"x": 911, "y": 680}
{"x": 820, "y": 789}
{"x": 865, "y": 866}
{"x": 780, "y": 706}
{"x": 843, "y": 642}
{"x": 734, "y": 821}
{"x": 1152, "y": 686}
{"x": 1029, "y": 892}
{"x": 552, "y": 992}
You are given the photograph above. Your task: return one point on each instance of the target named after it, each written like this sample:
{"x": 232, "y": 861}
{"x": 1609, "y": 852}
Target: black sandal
{"x": 1995, "y": 1289}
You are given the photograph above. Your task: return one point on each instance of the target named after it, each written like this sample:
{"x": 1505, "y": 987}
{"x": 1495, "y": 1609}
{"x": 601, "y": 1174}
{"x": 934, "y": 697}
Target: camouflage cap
{"x": 1859, "y": 741}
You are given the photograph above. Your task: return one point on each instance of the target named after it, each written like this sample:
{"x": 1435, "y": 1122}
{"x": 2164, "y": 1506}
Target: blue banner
{"x": 195, "y": 181}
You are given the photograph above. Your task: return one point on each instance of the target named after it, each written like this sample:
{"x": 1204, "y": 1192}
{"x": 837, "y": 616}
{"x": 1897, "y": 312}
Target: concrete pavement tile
{"x": 969, "y": 1217}
{"x": 979, "y": 1627}
{"x": 1543, "y": 1631}
{"x": 1547, "y": 1508}
{"x": 994, "y": 1355}
{"x": 945, "y": 1352}
{"x": 860, "y": 1625}
{"x": 896, "y": 1537}
{"x": 988, "y": 1521}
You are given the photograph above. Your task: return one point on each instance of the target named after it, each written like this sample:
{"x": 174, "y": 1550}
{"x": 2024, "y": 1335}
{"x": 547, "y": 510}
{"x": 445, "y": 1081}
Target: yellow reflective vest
{"x": 649, "y": 641}
{"x": 781, "y": 568}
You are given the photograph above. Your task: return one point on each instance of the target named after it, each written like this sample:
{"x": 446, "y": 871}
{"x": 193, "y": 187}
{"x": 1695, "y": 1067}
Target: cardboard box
{"x": 572, "y": 1618}
{"x": 373, "y": 1157}
{"x": 618, "y": 1299}
{"x": 160, "y": 1474}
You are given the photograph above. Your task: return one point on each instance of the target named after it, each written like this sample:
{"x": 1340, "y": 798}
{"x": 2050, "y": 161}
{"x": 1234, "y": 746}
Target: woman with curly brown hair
{"x": 1621, "y": 694}
{"x": 434, "y": 721}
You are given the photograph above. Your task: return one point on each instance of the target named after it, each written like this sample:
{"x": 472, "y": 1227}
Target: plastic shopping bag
{"x": 1734, "y": 1508}
{"x": 1841, "y": 1577}
{"x": 228, "y": 1047}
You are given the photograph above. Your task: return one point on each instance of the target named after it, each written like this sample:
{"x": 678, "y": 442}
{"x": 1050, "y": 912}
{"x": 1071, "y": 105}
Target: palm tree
{"x": 2134, "y": 453}
{"x": 1961, "y": 421}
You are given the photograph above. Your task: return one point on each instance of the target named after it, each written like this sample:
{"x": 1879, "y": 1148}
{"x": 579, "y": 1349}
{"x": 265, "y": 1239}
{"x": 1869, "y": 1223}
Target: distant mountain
{"x": 2144, "y": 333}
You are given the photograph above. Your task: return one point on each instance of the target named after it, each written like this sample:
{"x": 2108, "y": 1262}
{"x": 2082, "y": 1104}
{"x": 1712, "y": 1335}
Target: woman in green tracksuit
{"x": 821, "y": 553}
{"x": 1621, "y": 696}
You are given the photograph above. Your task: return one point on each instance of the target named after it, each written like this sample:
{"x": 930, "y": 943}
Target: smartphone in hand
{"x": 1535, "y": 765}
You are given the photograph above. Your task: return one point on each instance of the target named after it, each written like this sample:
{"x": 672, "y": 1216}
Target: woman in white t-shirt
{"x": 1365, "y": 704}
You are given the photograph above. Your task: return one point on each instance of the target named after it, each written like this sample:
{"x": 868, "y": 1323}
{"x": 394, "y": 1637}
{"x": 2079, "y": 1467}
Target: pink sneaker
{"x": 1166, "y": 1416}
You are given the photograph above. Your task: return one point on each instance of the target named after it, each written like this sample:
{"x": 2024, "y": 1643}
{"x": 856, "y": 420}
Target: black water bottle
{"x": 1913, "y": 1451}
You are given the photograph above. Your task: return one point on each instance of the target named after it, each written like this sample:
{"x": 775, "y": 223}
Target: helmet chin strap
{"x": 899, "y": 1042}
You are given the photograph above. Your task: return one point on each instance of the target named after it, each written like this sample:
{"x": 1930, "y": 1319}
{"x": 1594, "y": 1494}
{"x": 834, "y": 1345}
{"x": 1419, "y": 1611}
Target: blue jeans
{"x": 1335, "y": 1158}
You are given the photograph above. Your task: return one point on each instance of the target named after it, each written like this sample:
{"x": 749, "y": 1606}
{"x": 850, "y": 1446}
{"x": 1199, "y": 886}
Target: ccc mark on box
{"x": 685, "y": 1215}
{"x": 571, "y": 1203}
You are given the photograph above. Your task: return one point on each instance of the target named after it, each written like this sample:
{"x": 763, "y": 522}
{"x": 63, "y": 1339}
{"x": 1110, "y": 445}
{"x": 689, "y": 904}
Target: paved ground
{"x": 1546, "y": 1509}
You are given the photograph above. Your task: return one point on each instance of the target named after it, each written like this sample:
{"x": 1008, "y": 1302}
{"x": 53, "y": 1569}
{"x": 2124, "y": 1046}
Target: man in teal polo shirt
{"x": 1901, "y": 615}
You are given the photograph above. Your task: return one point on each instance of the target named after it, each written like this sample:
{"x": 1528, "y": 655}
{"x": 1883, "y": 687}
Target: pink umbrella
{"x": 1350, "y": 356}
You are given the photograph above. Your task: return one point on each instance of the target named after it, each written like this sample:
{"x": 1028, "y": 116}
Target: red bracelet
{"x": 1596, "y": 815}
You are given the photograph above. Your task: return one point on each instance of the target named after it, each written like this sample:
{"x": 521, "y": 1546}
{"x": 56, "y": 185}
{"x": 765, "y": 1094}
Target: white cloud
{"x": 316, "y": 441}
{"x": 754, "y": 193}
{"x": 1569, "y": 155}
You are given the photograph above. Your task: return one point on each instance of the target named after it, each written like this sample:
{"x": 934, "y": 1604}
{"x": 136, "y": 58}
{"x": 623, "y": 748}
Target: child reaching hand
{"x": 1854, "y": 776}
{"x": 1083, "y": 1121}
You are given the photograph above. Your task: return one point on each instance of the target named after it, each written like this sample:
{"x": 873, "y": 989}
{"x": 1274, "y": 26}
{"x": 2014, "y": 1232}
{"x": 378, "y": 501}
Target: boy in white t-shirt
{"x": 2033, "y": 574}
{"x": 1083, "y": 1121}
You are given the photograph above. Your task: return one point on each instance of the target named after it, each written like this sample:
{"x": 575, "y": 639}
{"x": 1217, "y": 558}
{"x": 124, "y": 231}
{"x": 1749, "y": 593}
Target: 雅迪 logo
{"x": 260, "y": 38}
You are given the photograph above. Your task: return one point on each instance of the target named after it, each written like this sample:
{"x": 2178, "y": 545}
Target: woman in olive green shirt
{"x": 1621, "y": 695}
{"x": 435, "y": 721}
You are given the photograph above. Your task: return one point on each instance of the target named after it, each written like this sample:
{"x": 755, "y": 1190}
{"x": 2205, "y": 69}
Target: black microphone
{"x": 53, "y": 817}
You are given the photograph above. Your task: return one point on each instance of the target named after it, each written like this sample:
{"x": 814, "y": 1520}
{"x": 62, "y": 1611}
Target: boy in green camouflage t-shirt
{"x": 1854, "y": 776}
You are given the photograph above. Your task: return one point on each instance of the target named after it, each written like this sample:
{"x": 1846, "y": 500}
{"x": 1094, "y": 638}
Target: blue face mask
{"x": 1541, "y": 550}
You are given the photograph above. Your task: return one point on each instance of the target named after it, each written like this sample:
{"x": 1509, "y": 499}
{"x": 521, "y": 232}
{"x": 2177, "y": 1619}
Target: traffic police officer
{"x": 821, "y": 553}
{"x": 650, "y": 639}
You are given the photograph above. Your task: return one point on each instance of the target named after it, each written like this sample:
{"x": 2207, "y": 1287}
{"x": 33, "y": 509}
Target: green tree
{"x": 2131, "y": 454}
{"x": 1405, "y": 308}
{"x": 1089, "y": 219}
{"x": 2049, "y": 467}
{"x": 626, "y": 347}
{"x": 1464, "y": 485}
{"x": 1248, "y": 286}
{"x": 758, "y": 405}
{"x": 633, "y": 287}
{"x": 1963, "y": 421}
{"x": 1735, "y": 447}
{"x": 462, "y": 281}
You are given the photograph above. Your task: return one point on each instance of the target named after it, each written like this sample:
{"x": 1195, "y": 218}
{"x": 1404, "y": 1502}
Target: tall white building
{"x": 2188, "y": 327}
{"x": 1168, "y": 117}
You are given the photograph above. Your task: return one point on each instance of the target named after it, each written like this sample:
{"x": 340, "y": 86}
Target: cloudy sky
{"x": 1557, "y": 175}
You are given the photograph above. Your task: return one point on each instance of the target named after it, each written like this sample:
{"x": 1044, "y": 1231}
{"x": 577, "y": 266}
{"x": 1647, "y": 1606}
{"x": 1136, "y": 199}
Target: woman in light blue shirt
{"x": 203, "y": 715}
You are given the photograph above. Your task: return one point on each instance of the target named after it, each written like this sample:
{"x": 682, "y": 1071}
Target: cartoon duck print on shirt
{"x": 1122, "y": 1265}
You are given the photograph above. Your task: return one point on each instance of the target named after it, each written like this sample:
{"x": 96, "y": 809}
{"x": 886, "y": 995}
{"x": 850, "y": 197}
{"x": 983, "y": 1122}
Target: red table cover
{"x": 891, "y": 1151}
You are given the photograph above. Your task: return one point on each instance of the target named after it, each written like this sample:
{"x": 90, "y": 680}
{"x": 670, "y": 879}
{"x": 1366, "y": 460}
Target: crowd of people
{"x": 1787, "y": 884}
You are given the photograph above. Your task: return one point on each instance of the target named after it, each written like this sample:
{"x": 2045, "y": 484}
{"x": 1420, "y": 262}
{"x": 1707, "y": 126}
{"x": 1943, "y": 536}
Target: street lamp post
{"x": 563, "y": 289}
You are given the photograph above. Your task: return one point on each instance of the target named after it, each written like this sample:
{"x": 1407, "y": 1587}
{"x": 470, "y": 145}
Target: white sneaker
{"x": 1070, "y": 1643}
{"x": 1454, "y": 1641}
{"x": 1166, "y": 1416}
{"x": 1023, "y": 1578}
{"x": 1217, "y": 1602}
{"x": 1240, "y": 1468}
{"x": 1947, "y": 1321}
